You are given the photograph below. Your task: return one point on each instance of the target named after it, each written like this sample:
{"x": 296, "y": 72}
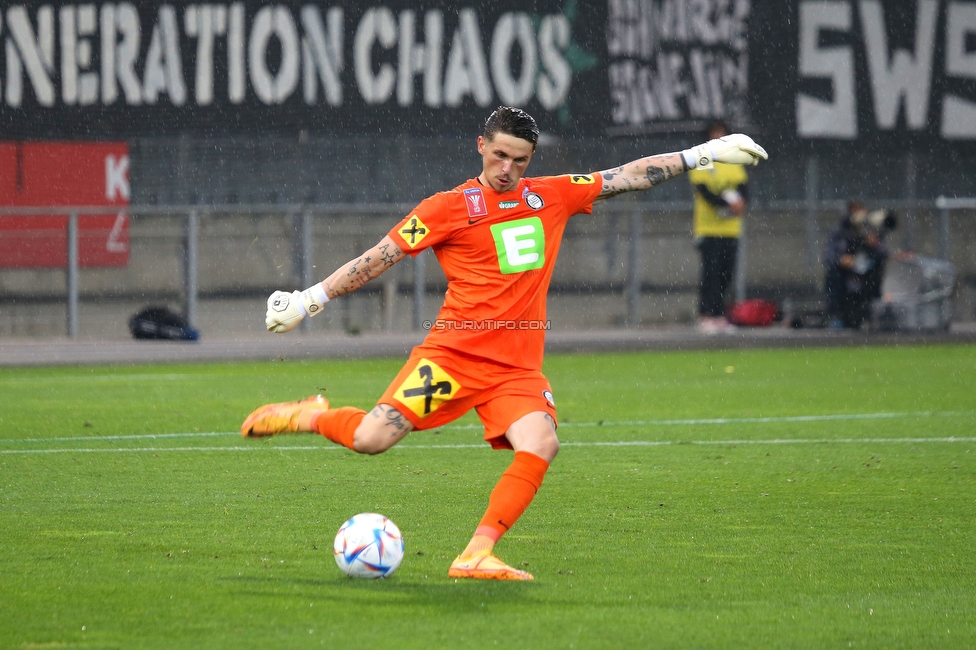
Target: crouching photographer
{"x": 854, "y": 263}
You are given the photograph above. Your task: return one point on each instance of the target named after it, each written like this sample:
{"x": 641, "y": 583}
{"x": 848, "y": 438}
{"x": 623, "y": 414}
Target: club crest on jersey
{"x": 474, "y": 201}
{"x": 413, "y": 231}
{"x": 533, "y": 200}
{"x": 508, "y": 205}
{"x": 581, "y": 179}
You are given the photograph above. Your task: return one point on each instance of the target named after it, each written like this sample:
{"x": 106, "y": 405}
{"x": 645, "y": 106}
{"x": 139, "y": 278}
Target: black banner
{"x": 672, "y": 66}
{"x": 118, "y": 68}
{"x": 799, "y": 72}
{"x": 878, "y": 74}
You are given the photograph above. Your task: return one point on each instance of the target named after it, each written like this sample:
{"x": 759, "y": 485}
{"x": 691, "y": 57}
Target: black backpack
{"x": 161, "y": 323}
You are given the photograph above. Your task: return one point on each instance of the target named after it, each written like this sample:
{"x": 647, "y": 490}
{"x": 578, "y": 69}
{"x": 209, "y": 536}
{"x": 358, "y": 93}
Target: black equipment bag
{"x": 161, "y": 323}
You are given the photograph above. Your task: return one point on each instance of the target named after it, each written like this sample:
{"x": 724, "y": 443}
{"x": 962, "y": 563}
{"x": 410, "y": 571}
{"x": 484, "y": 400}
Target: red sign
{"x": 46, "y": 174}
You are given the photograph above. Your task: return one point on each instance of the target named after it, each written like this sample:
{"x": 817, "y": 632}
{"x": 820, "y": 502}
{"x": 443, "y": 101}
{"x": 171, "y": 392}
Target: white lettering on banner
{"x": 119, "y": 56}
{"x": 555, "y": 79}
{"x": 416, "y": 57}
{"x": 164, "y": 68}
{"x": 512, "y": 28}
{"x": 816, "y": 117}
{"x": 672, "y": 60}
{"x": 900, "y": 79}
{"x": 103, "y": 54}
{"x": 78, "y": 84}
{"x": 959, "y": 115}
{"x": 906, "y": 75}
{"x": 322, "y": 54}
{"x": 277, "y": 22}
{"x": 116, "y": 177}
{"x": 69, "y": 55}
{"x": 236, "y": 84}
{"x": 205, "y": 23}
{"x": 30, "y": 53}
{"x": 467, "y": 71}
{"x": 376, "y": 27}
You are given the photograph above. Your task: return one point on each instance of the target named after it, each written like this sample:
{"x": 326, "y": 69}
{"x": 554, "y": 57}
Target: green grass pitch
{"x": 808, "y": 498}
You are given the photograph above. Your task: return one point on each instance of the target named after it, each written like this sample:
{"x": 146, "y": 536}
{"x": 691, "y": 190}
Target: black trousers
{"x": 718, "y": 256}
{"x": 849, "y": 299}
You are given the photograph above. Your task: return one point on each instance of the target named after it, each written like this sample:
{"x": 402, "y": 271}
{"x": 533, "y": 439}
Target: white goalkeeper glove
{"x": 286, "y": 310}
{"x": 735, "y": 149}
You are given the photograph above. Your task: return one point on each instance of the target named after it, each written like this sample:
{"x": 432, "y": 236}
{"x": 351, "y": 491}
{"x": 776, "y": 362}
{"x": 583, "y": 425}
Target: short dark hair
{"x": 514, "y": 122}
{"x": 715, "y": 125}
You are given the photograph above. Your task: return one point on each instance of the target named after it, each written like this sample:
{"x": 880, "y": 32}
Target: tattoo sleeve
{"x": 393, "y": 421}
{"x": 642, "y": 174}
{"x": 368, "y": 266}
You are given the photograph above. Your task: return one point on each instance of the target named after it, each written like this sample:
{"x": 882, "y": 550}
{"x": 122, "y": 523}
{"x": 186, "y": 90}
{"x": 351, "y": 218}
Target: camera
{"x": 881, "y": 220}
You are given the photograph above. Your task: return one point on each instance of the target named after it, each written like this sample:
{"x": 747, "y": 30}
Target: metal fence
{"x": 780, "y": 251}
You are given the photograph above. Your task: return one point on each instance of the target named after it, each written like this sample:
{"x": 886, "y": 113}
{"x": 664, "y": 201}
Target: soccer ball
{"x": 368, "y": 546}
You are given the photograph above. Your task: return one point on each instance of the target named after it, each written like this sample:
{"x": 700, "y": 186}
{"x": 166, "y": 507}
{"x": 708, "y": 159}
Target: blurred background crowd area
{"x": 244, "y": 147}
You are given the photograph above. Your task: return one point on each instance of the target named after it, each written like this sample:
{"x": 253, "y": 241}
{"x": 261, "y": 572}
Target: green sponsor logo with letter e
{"x": 520, "y": 244}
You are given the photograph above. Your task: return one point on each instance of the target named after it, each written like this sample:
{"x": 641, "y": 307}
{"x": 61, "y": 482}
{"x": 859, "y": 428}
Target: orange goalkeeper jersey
{"x": 498, "y": 251}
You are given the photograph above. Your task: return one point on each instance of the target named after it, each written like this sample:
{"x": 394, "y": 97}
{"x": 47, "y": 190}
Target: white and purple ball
{"x": 368, "y": 546}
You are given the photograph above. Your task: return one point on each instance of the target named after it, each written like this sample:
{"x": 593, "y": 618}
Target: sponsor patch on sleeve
{"x": 413, "y": 231}
{"x": 581, "y": 179}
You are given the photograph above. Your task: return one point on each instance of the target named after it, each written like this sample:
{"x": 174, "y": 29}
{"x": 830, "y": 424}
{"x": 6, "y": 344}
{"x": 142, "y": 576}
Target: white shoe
{"x": 724, "y": 326}
{"x": 709, "y": 325}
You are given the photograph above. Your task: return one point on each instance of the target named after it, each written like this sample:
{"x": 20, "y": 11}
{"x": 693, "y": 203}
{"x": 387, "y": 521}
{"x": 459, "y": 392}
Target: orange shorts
{"x": 438, "y": 385}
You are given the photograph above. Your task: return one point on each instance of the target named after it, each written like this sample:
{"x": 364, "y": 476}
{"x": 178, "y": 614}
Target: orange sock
{"x": 512, "y": 495}
{"x": 339, "y": 425}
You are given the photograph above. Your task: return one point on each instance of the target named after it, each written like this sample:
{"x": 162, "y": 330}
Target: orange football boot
{"x": 485, "y": 566}
{"x": 282, "y": 417}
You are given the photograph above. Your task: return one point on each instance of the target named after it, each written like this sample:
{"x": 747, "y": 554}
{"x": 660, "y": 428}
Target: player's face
{"x": 504, "y": 159}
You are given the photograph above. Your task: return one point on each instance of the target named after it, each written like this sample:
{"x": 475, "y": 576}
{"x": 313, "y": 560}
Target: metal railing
{"x": 304, "y": 248}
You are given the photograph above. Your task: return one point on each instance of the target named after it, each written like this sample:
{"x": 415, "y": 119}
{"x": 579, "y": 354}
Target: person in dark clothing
{"x": 854, "y": 264}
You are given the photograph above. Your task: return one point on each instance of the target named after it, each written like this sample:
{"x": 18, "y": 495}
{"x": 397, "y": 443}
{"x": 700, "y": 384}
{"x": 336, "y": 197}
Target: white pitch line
{"x": 633, "y": 443}
{"x": 780, "y": 441}
{"x": 562, "y": 425}
{"x": 89, "y": 378}
{"x": 619, "y": 443}
{"x": 753, "y": 420}
{"x": 134, "y": 436}
{"x": 118, "y": 450}
{"x": 766, "y": 420}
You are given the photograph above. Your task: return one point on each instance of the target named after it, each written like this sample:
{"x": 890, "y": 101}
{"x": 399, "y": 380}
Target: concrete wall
{"x": 243, "y": 257}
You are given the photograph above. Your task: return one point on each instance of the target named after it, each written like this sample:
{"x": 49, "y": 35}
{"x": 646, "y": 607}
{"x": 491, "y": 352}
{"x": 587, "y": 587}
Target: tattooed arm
{"x": 391, "y": 422}
{"x": 286, "y": 310}
{"x": 368, "y": 266}
{"x": 642, "y": 174}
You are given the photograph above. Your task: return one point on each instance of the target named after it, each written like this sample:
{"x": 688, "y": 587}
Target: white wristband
{"x": 314, "y": 299}
{"x": 699, "y": 157}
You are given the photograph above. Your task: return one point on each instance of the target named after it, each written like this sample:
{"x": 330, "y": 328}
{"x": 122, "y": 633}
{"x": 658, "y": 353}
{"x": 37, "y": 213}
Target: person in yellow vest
{"x": 721, "y": 194}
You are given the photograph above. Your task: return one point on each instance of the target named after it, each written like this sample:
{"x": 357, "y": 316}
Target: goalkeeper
{"x": 497, "y": 237}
